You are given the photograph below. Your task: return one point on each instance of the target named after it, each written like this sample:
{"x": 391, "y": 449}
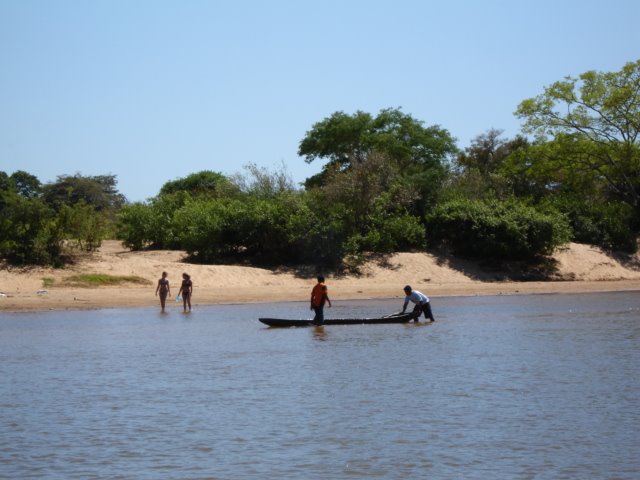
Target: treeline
{"x": 389, "y": 183}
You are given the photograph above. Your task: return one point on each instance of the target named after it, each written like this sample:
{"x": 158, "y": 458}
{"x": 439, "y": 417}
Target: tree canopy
{"x": 488, "y": 151}
{"x": 586, "y": 132}
{"x": 20, "y": 182}
{"x": 99, "y": 191}
{"x": 346, "y": 140}
{"x": 201, "y": 184}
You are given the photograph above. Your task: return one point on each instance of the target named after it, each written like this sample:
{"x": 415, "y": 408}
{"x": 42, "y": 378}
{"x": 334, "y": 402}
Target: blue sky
{"x": 152, "y": 91}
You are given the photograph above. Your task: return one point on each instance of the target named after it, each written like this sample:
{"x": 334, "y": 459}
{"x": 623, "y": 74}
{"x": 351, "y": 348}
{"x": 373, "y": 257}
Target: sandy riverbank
{"x": 579, "y": 268}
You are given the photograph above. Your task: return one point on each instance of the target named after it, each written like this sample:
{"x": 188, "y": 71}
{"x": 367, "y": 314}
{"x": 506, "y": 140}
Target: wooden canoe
{"x": 394, "y": 318}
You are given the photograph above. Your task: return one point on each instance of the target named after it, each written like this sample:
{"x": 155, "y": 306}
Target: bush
{"x": 143, "y": 225}
{"x": 606, "y": 224}
{"x": 510, "y": 229}
{"x": 282, "y": 229}
{"x": 31, "y": 233}
{"x": 135, "y": 226}
{"x": 204, "y": 230}
{"x": 391, "y": 234}
{"x": 212, "y": 230}
{"x": 312, "y": 238}
{"x": 83, "y": 225}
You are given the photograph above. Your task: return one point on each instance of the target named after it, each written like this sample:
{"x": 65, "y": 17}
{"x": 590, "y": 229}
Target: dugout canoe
{"x": 285, "y": 322}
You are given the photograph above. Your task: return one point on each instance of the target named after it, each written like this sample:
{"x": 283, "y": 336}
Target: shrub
{"x": 135, "y": 226}
{"x": 509, "y": 229}
{"x": 266, "y": 230}
{"x": 392, "y": 233}
{"x": 204, "y": 229}
{"x": 606, "y": 224}
{"x": 30, "y": 232}
{"x": 83, "y": 225}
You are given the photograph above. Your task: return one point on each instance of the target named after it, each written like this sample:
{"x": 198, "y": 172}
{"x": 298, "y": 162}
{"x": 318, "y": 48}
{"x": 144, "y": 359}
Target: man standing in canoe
{"x": 423, "y": 305}
{"x": 319, "y": 296}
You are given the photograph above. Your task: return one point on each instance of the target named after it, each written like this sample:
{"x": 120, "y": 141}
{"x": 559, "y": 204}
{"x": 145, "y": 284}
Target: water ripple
{"x": 543, "y": 387}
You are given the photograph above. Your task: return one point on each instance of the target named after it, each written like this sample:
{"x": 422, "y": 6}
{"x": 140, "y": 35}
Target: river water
{"x": 502, "y": 387}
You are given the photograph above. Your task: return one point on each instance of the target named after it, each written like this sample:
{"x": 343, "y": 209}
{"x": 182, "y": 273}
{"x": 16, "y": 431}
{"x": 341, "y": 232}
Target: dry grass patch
{"x": 93, "y": 280}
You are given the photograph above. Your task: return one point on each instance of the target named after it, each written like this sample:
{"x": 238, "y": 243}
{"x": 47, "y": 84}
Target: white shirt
{"x": 416, "y": 297}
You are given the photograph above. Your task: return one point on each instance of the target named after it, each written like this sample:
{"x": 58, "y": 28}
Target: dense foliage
{"x": 388, "y": 184}
{"x": 42, "y": 224}
{"x": 497, "y": 229}
{"x": 587, "y": 145}
{"x": 348, "y": 140}
{"x": 202, "y": 184}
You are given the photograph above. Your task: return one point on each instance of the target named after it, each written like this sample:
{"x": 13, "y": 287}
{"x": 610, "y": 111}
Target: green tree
{"x": 478, "y": 171}
{"x": 496, "y": 229}
{"x": 488, "y": 151}
{"x": 22, "y": 183}
{"x": 346, "y": 140}
{"x": 27, "y": 185}
{"x": 358, "y": 188}
{"x": 257, "y": 229}
{"x": 587, "y": 134}
{"x": 135, "y": 225}
{"x": 596, "y": 222}
{"x": 30, "y": 233}
{"x": 5, "y": 182}
{"x": 83, "y": 226}
{"x": 205, "y": 184}
{"x": 99, "y": 191}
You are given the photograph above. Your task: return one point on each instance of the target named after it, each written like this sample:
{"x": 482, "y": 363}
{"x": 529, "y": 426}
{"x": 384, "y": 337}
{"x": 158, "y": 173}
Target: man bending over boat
{"x": 319, "y": 296}
{"x": 423, "y": 305}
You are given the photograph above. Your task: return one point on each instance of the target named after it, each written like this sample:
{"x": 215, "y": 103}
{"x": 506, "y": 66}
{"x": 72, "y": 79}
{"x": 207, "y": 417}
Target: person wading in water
{"x": 423, "y": 305}
{"x": 186, "y": 289}
{"x": 319, "y": 296}
{"x": 163, "y": 289}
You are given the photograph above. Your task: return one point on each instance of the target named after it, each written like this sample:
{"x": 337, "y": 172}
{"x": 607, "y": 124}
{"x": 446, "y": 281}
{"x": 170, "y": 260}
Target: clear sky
{"x": 153, "y": 90}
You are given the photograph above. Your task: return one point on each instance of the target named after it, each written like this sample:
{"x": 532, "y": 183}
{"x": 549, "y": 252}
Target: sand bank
{"x": 579, "y": 268}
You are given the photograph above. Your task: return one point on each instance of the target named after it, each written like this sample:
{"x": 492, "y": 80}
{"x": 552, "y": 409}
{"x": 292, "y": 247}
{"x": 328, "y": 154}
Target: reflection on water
{"x": 319, "y": 333}
{"x": 499, "y": 387}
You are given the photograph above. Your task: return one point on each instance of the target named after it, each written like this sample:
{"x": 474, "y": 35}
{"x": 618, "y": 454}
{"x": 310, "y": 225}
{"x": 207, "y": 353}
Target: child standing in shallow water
{"x": 163, "y": 289}
{"x": 186, "y": 289}
{"x": 319, "y": 296}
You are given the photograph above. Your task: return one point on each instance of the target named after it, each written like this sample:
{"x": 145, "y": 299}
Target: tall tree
{"x": 27, "y": 185}
{"x": 98, "y": 191}
{"x": 479, "y": 172}
{"x": 346, "y": 140}
{"x": 488, "y": 151}
{"x": 22, "y": 183}
{"x": 206, "y": 184}
{"x": 587, "y": 132}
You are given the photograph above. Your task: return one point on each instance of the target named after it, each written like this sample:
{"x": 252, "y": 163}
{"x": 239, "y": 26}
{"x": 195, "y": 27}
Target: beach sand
{"x": 579, "y": 268}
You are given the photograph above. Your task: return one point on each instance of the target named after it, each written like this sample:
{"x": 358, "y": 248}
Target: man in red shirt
{"x": 319, "y": 296}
